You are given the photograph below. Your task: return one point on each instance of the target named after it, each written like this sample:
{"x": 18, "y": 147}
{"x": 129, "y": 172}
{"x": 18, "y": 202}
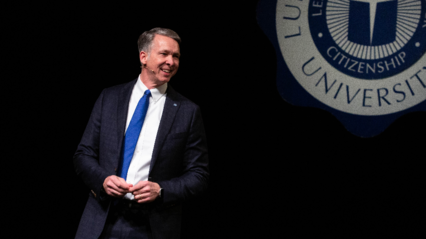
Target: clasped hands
{"x": 144, "y": 191}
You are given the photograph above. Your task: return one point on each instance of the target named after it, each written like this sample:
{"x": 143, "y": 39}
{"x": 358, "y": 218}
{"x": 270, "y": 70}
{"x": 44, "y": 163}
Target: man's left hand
{"x": 145, "y": 191}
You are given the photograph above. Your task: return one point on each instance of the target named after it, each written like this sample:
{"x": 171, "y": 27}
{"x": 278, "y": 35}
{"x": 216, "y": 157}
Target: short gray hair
{"x": 145, "y": 39}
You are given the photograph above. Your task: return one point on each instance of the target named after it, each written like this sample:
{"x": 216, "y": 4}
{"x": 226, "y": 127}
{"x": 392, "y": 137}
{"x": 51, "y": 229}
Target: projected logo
{"x": 361, "y": 57}
{"x": 368, "y": 39}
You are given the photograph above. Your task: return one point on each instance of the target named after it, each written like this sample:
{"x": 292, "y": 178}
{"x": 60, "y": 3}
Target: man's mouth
{"x": 167, "y": 71}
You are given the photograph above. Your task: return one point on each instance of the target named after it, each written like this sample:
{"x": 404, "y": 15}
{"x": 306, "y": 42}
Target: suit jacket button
{"x": 115, "y": 169}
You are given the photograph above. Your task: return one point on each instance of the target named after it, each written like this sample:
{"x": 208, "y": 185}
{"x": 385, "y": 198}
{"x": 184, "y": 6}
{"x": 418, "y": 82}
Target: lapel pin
{"x": 175, "y": 104}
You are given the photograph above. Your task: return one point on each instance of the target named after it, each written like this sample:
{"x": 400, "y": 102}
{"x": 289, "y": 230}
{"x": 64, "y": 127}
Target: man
{"x": 143, "y": 151}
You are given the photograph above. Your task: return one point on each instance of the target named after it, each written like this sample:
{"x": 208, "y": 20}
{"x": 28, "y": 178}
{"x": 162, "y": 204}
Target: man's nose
{"x": 169, "y": 60}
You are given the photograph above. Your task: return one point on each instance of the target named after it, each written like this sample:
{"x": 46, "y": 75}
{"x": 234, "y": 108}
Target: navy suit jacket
{"x": 179, "y": 161}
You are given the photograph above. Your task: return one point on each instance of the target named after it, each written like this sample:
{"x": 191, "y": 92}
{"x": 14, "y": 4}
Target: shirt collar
{"x": 156, "y": 93}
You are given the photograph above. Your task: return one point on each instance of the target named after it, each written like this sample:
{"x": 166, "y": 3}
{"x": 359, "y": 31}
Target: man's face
{"x": 163, "y": 60}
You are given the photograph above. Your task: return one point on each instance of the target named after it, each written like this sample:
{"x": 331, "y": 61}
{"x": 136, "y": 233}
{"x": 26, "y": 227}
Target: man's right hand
{"x": 116, "y": 187}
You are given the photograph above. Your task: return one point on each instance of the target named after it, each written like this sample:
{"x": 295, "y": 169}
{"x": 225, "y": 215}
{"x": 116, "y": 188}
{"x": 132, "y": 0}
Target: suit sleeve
{"x": 86, "y": 158}
{"x": 195, "y": 173}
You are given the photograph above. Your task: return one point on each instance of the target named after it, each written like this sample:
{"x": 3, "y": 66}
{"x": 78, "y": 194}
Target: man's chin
{"x": 163, "y": 81}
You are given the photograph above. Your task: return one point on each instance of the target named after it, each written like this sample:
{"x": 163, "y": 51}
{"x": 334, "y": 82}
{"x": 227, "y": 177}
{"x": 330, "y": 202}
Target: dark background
{"x": 277, "y": 170}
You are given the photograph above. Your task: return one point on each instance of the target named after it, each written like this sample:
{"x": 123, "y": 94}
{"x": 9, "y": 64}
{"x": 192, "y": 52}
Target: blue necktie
{"x": 133, "y": 131}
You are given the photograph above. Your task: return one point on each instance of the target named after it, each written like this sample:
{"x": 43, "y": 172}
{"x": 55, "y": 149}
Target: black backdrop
{"x": 276, "y": 169}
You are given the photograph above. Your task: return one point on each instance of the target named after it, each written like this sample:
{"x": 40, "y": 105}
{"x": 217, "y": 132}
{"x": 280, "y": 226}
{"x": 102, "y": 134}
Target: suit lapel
{"x": 122, "y": 109}
{"x": 171, "y": 106}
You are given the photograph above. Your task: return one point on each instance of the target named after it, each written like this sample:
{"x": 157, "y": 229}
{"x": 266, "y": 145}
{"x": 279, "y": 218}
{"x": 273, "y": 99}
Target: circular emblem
{"x": 364, "y": 57}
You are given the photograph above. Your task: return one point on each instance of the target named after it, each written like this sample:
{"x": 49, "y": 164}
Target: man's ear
{"x": 143, "y": 56}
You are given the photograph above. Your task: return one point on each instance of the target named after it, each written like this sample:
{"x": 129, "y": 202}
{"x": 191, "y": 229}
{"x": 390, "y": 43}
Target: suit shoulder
{"x": 120, "y": 87}
{"x": 182, "y": 99}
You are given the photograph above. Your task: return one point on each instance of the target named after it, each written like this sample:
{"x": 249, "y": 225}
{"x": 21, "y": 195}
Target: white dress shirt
{"x": 140, "y": 164}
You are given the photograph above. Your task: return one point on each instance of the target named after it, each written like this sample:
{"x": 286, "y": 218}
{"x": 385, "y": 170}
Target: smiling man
{"x": 143, "y": 151}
